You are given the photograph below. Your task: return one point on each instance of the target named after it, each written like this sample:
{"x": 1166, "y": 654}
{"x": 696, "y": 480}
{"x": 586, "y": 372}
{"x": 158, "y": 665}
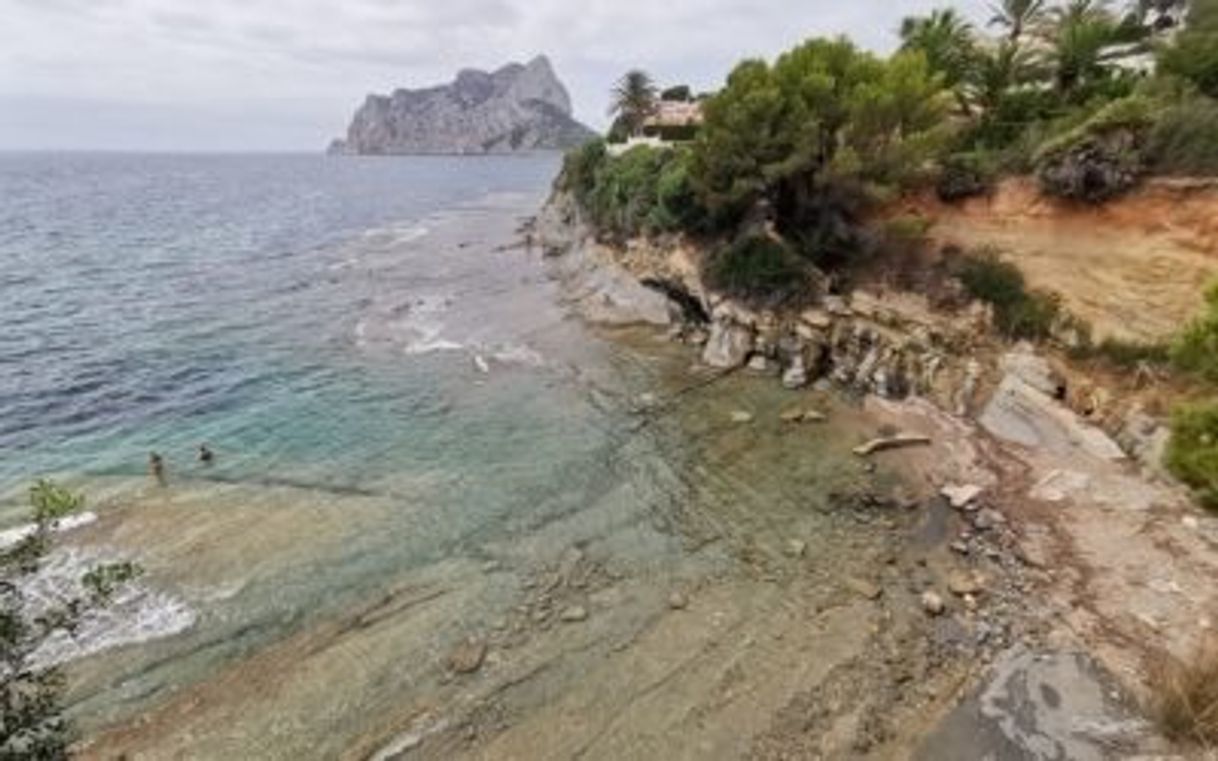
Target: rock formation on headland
{"x": 517, "y": 108}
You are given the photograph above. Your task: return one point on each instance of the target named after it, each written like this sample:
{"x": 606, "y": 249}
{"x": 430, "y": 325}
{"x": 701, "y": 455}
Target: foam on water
{"x": 12, "y": 536}
{"x": 137, "y": 613}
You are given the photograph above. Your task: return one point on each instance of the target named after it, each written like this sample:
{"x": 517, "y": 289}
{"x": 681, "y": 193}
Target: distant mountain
{"x": 517, "y": 108}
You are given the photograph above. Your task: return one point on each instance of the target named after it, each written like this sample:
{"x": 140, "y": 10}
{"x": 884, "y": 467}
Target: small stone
{"x": 960, "y": 548}
{"x": 963, "y": 583}
{"x": 988, "y": 518}
{"x": 864, "y": 588}
{"x": 961, "y": 497}
{"x": 933, "y": 604}
{"x": 574, "y": 614}
{"x": 678, "y": 601}
{"x": 792, "y": 416}
{"x": 797, "y": 548}
{"x": 740, "y": 416}
{"x": 1190, "y": 522}
{"x": 467, "y": 657}
{"x": 758, "y": 363}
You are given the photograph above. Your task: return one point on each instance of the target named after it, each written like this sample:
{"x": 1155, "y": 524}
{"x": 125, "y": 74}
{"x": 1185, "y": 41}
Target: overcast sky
{"x": 286, "y": 74}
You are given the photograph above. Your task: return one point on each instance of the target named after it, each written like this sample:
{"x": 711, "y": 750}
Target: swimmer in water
{"x": 156, "y": 467}
{"x": 206, "y": 456}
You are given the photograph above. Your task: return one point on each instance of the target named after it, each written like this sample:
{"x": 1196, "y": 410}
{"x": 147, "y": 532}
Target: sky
{"x": 286, "y": 75}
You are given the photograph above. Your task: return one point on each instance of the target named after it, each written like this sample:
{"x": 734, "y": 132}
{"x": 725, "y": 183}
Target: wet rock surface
{"x": 1042, "y": 706}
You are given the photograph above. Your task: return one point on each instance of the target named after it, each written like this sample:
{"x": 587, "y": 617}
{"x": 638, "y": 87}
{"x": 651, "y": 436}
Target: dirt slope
{"x": 1134, "y": 268}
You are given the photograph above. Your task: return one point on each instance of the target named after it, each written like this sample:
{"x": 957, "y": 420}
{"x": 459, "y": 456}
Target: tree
{"x": 634, "y": 99}
{"x": 33, "y": 725}
{"x": 999, "y": 70}
{"x": 1084, "y": 39}
{"x": 947, "y": 42}
{"x": 824, "y": 116}
{"x": 1017, "y": 16}
{"x": 1193, "y": 55}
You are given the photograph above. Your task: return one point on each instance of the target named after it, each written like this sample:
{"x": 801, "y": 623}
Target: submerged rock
{"x": 467, "y": 657}
{"x": 574, "y": 614}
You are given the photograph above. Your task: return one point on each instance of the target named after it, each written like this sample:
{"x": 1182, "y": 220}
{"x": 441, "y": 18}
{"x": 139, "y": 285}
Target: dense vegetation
{"x": 32, "y": 725}
{"x": 810, "y": 140}
{"x": 1086, "y": 96}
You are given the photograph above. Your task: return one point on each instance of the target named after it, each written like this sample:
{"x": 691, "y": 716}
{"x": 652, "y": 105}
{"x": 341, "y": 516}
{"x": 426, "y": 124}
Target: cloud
{"x": 191, "y": 57}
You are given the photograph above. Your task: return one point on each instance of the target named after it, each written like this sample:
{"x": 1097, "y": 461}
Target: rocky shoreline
{"x": 1065, "y": 561}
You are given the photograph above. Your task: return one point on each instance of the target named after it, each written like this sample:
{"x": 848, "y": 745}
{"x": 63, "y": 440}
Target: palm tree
{"x": 1084, "y": 37}
{"x": 947, "y": 41}
{"x": 634, "y": 99}
{"x": 1017, "y": 16}
{"x": 1001, "y": 69}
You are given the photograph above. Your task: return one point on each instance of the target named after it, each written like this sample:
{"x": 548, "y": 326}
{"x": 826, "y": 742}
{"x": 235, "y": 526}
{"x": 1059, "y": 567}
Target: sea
{"x": 410, "y": 431}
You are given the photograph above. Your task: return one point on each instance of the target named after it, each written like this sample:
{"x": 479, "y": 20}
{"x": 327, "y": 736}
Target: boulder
{"x": 728, "y": 346}
{"x": 1022, "y": 414}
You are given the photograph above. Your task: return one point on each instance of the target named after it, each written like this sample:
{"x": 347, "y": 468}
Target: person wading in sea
{"x": 156, "y": 467}
{"x": 206, "y": 456}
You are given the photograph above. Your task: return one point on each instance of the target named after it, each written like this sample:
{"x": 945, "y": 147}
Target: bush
{"x": 1192, "y": 454}
{"x": 964, "y": 175}
{"x": 761, "y": 271}
{"x": 1102, "y": 157}
{"x": 1193, "y": 57}
{"x": 641, "y": 192}
{"x": 1184, "y": 140}
{"x": 1196, "y": 349}
{"x": 1018, "y": 312}
{"x": 580, "y": 169}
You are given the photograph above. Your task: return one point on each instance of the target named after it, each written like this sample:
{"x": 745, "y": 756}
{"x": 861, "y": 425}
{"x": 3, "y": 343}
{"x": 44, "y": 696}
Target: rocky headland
{"x": 1054, "y": 560}
{"x": 516, "y": 108}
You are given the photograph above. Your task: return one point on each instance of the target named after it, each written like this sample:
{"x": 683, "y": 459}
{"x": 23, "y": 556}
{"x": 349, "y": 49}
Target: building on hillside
{"x": 674, "y": 122}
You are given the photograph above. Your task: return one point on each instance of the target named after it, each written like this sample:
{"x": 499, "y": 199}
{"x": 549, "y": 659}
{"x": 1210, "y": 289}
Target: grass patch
{"x": 1196, "y": 349}
{"x": 1184, "y": 699}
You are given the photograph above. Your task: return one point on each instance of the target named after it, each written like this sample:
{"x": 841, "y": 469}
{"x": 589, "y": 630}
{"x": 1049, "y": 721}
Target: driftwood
{"x": 891, "y": 442}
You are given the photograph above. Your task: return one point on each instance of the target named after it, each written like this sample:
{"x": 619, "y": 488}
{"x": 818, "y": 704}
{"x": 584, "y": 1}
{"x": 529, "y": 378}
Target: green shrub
{"x": 1018, "y": 312}
{"x": 1192, "y": 454}
{"x": 1184, "y": 140}
{"x": 964, "y": 175}
{"x": 759, "y": 270}
{"x": 1194, "y": 56}
{"x": 580, "y": 169}
{"x": 1196, "y": 349}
